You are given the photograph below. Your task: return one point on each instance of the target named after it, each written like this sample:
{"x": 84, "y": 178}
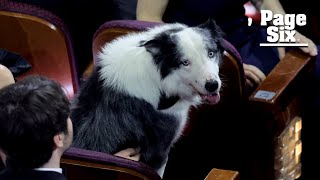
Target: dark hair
{"x": 32, "y": 112}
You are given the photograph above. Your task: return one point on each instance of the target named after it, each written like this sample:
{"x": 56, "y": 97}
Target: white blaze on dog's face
{"x": 188, "y": 60}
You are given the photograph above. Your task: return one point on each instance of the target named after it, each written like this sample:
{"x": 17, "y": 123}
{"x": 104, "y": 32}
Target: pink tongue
{"x": 212, "y": 98}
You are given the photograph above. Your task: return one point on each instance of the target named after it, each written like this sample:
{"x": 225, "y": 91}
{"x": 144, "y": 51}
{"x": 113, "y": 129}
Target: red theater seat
{"x": 42, "y": 39}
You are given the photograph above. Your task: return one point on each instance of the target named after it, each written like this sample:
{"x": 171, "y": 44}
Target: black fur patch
{"x": 164, "y": 51}
{"x": 108, "y": 121}
{"x": 166, "y": 103}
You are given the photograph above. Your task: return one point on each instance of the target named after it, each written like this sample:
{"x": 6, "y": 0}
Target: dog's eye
{"x": 185, "y": 62}
{"x": 211, "y": 54}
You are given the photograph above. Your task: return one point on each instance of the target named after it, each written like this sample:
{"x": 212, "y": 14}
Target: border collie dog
{"x": 142, "y": 87}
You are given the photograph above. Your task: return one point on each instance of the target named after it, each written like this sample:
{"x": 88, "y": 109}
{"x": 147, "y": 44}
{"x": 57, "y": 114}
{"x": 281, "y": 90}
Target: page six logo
{"x": 281, "y": 28}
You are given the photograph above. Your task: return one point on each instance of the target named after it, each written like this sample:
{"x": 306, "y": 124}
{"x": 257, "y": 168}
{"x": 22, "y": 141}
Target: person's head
{"x": 34, "y": 122}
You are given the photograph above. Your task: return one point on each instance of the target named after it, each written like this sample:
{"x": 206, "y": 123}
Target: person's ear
{"x": 59, "y": 140}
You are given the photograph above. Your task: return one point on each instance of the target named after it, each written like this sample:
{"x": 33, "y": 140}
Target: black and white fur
{"x": 143, "y": 86}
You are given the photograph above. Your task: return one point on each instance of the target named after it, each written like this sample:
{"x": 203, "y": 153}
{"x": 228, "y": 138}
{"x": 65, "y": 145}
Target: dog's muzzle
{"x": 213, "y": 96}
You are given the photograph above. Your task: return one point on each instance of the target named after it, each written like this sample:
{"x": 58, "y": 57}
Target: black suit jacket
{"x": 30, "y": 175}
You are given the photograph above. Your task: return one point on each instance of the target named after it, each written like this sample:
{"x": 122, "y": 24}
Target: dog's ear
{"x": 153, "y": 46}
{"x": 211, "y": 25}
{"x": 216, "y": 32}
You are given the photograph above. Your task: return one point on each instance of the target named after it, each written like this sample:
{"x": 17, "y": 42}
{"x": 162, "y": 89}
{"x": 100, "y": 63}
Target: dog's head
{"x": 188, "y": 60}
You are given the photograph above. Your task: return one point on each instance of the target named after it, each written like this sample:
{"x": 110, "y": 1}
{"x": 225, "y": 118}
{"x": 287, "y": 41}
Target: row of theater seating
{"x": 44, "y": 41}
{"x": 251, "y": 143}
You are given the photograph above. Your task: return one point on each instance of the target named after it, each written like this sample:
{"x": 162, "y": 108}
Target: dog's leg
{"x": 162, "y": 168}
{"x": 159, "y": 135}
{"x": 154, "y": 156}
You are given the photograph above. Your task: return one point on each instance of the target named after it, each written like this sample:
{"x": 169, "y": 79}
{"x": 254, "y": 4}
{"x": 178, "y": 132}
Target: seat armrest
{"x": 284, "y": 81}
{"x": 76, "y": 159}
{"x": 221, "y": 174}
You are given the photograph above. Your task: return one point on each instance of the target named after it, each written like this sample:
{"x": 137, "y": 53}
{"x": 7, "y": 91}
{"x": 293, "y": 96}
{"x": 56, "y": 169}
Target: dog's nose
{"x": 211, "y": 86}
